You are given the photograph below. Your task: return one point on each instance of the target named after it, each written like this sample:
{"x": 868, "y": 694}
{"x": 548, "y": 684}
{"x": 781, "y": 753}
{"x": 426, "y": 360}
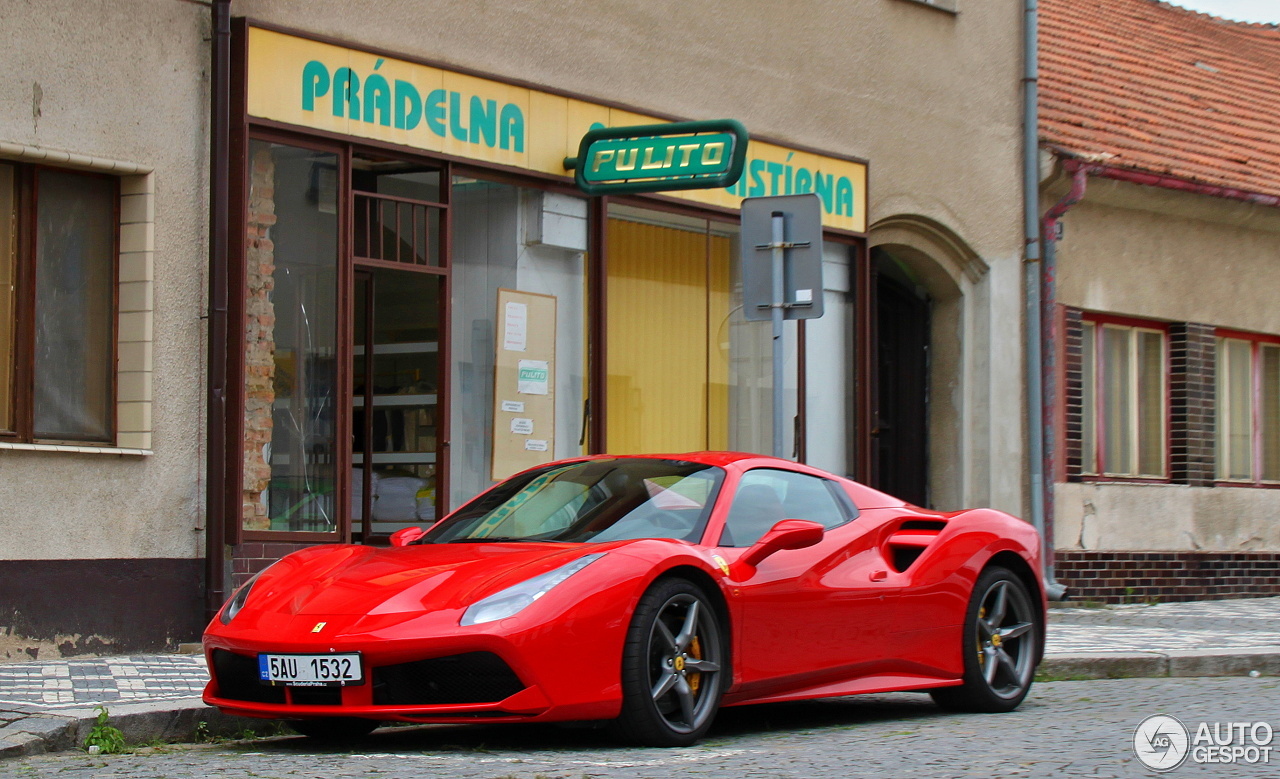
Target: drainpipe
{"x": 215, "y": 454}
{"x": 1033, "y": 342}
{"x": 1048, "y": 349}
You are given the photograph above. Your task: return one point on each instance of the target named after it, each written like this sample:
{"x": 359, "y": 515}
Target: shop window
{"x": 291, "y": 337}
{"x": 59, "y": 233}
{"x": 703, "y": 379}
{"x": 1247, "y": 403}
{"x": 531, "y": 242}
{"x": 1124, "y": 369}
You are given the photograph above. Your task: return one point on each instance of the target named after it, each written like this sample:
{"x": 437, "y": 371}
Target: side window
{"x": 766, "y": 496}
{"x": 63, "y": 388}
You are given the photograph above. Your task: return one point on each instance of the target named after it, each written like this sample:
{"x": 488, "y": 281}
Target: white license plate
{"x": 310, "y": 670}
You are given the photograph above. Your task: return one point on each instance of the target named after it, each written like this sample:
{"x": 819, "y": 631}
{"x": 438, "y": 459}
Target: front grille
{"x": 315, "y": 696}
{"x": 237, "y": 678}
{"x": 474, "y": 677}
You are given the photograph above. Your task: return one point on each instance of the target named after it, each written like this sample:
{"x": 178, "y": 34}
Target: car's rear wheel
{"x": 674, "y": 666}
{"x": 335, "y": 728}
{"x": 1000, "y": 646}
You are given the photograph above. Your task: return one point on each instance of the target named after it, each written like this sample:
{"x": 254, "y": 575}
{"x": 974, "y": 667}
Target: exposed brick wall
{"x": 1136, "y": 577}
{"x": 250, "y": 557}
{"x": 1192, "y": 358}
{"x": 259, "y": 349}
{"x": 1073, "y": 395}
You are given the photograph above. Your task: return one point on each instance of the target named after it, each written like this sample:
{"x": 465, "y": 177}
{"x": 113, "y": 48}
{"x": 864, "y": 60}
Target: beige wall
{"x": 120, "y": 82}
{"x": 1181, "y": 257}
{"x": 1172, "y": 256}
{"x": 931, "y": 99}
{"x": 1165, "y": 517}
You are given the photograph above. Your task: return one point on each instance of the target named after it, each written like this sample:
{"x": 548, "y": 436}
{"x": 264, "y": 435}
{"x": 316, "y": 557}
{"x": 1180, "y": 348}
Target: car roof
{"x": 864, "y": 496}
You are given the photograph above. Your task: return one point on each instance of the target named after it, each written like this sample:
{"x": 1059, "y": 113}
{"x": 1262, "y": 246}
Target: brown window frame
{"x": 23, "y": 400}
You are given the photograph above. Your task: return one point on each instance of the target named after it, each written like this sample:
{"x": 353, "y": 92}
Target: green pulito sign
{"x": 660, "y": 157}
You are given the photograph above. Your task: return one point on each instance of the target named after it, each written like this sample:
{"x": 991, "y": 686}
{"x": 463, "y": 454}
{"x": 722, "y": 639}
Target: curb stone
{"x": 169, "y": 721}
{"x": 1180, "y": 663}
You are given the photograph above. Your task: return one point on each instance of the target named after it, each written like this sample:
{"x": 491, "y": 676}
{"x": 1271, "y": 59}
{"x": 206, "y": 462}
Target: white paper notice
{"x": 535, "y": 445}
{"x": 533, "y": 377}
{"x": 517, "y": 327}
{"x": 522, "y": 426}
{"x": 514, "y": 406}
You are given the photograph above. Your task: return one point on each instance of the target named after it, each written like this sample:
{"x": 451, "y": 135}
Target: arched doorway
{"x": 928, "y": 417}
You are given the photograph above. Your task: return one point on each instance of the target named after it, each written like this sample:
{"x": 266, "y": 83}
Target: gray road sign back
{"x": 803, "y": 276}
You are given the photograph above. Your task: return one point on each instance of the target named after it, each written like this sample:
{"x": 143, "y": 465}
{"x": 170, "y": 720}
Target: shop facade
{"x": 331, "y": 362}
{"x": 425, "y": 304}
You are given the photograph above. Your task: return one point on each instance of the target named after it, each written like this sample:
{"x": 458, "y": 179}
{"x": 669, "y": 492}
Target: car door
{"x": 806, "y": 616}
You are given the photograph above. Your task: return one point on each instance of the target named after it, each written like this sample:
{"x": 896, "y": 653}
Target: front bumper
{"x": 507, "y": 671}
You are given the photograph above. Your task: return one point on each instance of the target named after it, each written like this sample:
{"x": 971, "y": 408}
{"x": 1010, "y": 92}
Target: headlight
{"x": 513, "y": 600}
{"x": 236, "y": 603}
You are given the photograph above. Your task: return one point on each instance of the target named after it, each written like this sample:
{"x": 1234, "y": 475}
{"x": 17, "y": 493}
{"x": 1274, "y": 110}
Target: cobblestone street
{"x": 1065, "y": 729}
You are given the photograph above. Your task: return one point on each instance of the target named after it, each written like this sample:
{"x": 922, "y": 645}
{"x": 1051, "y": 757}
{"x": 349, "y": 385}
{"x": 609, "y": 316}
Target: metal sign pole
{"x": 786, "y": 286}
{"x": 778, "y": 301}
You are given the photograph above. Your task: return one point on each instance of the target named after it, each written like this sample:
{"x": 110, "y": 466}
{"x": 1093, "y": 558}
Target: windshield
{"x": 596, "y": 500}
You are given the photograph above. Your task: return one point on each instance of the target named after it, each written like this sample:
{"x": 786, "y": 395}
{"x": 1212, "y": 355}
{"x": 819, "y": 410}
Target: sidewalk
{"x": 49, "y": 706}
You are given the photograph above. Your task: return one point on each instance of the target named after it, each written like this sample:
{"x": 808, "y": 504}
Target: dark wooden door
{"x": 901, "y": 442}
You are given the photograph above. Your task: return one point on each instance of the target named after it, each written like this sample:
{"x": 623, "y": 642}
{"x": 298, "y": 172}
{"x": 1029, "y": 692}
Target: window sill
{"x": 946, "y": 6}
{"x": 76, "y": 449}
{"x": 1089, "y": 478}
{"x": 1252, "y": 485}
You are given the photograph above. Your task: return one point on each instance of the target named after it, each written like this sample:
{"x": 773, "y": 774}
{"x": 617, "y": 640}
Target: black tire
{"x": 337, "y": 729}
{"x": 1000, "y": 646}
{"x": 675, "y": 667}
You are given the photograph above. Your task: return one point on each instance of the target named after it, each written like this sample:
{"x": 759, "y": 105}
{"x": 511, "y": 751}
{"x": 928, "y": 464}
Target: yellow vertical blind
{"x": 668, "y": 290}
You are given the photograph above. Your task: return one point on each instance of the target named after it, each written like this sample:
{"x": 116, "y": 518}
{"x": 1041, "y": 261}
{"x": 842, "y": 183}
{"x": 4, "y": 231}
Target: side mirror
{"x": 407, "y": 535}
{"x": 787, "y": 534}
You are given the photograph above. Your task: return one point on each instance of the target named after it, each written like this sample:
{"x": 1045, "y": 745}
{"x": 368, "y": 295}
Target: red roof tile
{"x": 1144, "y": 85}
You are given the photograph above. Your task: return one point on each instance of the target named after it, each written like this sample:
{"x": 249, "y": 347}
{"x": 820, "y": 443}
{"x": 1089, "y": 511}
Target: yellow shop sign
{"x": 321, "y": 86}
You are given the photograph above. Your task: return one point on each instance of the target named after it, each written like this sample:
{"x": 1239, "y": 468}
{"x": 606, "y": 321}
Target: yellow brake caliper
{"x": 982, "y": 614}
{"x": 695, "y": 652}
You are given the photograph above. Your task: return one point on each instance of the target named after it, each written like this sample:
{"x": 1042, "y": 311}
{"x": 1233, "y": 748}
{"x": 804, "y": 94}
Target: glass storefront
{"x": 420, "y": 320}
{"x": 291, "y": 339}
{"x": 424, "y": 258}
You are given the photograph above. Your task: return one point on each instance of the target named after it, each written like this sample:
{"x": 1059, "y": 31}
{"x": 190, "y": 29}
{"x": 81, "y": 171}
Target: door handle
{"x": 879, "y": 576}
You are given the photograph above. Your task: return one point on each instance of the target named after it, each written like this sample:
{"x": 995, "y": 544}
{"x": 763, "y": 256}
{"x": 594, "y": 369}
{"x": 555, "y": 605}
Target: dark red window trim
{"x": 1255, "y": 340}
{"x": 1096, "y": 474}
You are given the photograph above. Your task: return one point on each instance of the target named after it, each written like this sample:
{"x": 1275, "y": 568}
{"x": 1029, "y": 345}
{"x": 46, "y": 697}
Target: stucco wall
{"x": 1169, "y": 256}
{"x": 1165, "y": 517}
{"x": 931, "y": 98}
{"x": 126, "y": 82}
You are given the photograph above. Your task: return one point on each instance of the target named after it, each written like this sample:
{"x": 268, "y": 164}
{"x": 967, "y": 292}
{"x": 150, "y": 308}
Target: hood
{"x": 358, "y": 580}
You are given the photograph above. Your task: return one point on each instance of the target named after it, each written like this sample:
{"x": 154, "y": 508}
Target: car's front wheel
{"x": 1001, "y": 646}
{"x": 674, "y": 666}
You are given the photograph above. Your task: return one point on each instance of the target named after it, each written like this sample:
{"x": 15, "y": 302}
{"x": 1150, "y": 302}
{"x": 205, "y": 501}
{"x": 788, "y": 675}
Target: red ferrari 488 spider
{"x": 648, "y": 591}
